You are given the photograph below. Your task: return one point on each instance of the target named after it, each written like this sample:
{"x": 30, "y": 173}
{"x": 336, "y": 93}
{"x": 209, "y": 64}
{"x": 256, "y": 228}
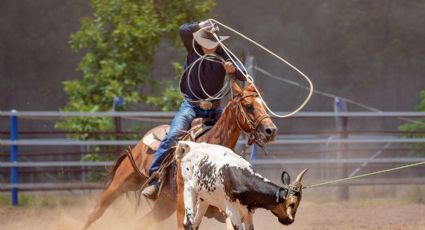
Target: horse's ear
{"x": 236, "y": 88}
{"x": 183, "y": 147}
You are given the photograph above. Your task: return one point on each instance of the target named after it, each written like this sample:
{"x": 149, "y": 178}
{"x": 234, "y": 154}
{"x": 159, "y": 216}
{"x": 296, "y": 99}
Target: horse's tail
{"x": 118, "y": 162}
{"x": 111, "y": 174}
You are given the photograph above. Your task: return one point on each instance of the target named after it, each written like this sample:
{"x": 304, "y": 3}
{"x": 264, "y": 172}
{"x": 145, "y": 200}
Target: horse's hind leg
{"x": 120, "y": 184}
{"x": 161, "y": 210}
{"x": 107, "y": 197}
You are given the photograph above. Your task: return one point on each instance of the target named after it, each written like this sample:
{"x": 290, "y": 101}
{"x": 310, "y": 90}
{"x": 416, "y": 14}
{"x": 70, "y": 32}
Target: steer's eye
{"x": 249, "y": 108}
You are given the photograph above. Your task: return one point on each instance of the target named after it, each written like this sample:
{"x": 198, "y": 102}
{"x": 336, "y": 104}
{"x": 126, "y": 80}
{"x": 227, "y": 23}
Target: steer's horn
{"x": 300, "y": 176}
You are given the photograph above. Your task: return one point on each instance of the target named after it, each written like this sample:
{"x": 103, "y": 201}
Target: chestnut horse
{"x": 245, "y": 112}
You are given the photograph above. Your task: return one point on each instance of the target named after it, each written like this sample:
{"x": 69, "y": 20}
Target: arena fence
{"x": 338, "y": 153}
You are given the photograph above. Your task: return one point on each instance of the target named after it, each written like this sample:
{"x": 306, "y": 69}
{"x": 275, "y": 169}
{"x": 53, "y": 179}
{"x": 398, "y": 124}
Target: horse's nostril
{"x": 269, "y": 131}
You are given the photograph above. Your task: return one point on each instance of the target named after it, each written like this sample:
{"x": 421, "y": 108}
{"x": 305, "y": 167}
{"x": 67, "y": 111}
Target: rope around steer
{"x": 364, "y": 175}
{"x": 249, "y": 78}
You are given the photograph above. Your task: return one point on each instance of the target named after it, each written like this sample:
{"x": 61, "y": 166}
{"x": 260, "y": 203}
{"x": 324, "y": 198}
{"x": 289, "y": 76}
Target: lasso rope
{"x": 364, "y": 175}
{"x": 209, "y": 57}
{"x": 249, "y": 78}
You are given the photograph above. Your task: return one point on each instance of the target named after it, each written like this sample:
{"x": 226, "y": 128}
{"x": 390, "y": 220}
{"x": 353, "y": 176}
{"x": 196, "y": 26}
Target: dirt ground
{"x": 364, "y": 214}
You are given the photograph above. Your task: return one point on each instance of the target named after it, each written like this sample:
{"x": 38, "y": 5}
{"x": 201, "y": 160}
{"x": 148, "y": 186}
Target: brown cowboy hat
{"x": 207, "y": 39}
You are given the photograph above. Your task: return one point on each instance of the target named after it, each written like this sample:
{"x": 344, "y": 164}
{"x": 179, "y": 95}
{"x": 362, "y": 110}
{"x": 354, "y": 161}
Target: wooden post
{"x": 117, "y": 122}
{"x": 117, "y": 102}
{"x": 342, "y": 127}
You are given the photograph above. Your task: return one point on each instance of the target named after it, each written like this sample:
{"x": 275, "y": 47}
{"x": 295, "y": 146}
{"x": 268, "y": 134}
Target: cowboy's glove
{"x": 229, "y": 67}
{"x": 209, "y": 26}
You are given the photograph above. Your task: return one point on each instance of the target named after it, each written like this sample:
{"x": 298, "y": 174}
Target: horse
{"x": 245, "y": 112}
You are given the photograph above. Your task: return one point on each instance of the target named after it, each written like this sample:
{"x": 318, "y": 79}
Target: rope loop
{"x": 250, "y": 79}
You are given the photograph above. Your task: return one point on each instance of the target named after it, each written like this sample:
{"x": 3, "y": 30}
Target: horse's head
{"x": 252, "y": 116}
{"x": 285, "y": 212}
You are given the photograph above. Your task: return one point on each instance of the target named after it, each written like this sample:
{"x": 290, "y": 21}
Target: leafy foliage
{"x": 420, "y": 124}
{"x": 171, "y": 96}
{"x": 118, "y": 42}
{"x": 416, "y": 196}
{"x": 417, "y": 128}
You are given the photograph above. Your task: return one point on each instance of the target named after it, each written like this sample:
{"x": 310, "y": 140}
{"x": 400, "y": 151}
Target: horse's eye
{"x": 249, "y": 108}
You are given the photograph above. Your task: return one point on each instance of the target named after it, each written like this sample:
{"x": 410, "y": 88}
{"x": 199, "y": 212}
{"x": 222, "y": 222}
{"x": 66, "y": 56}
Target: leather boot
{"x": 151, "y": 191}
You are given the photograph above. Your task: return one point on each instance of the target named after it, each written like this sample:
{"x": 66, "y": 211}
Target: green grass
{"x": 416, "y": 195}
{"x": 35, "y": 201}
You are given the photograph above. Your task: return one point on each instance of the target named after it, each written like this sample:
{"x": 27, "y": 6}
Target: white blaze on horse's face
{"x": 257, "y": 113}
{"x": 259, "y": 100}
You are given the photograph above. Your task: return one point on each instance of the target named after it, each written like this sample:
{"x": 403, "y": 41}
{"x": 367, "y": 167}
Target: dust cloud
{"x": 365, "y": 214}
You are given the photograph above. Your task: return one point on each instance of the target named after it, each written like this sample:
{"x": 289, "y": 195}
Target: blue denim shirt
{"x": 211, "y": 74}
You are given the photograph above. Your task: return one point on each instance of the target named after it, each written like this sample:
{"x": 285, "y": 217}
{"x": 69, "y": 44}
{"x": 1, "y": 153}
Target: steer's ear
{"x": 285, "y": 178}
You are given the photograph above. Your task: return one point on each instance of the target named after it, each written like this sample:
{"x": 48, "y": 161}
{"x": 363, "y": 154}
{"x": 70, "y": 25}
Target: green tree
{"x": 118, "y": 42}
{"x": 171, "y": 96}
{"x": 417, "y": 128}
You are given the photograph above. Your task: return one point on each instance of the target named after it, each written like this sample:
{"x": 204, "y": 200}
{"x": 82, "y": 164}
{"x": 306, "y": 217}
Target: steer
{"x": 215, "y": 175}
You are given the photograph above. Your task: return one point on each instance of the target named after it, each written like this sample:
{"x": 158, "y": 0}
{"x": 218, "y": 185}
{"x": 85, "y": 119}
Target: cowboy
{"x": 202, "y": 87}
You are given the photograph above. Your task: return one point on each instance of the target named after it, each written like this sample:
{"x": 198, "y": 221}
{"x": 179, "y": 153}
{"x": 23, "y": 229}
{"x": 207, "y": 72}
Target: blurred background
{"x": 365, "y": 58}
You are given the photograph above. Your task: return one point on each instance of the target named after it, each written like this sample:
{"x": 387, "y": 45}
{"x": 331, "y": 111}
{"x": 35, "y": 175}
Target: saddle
{"x": 199, "y": 126}
{"x": 152, "y": 139}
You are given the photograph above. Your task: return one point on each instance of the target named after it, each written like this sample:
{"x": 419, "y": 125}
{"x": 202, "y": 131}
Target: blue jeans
{"x": 179, "y": 126}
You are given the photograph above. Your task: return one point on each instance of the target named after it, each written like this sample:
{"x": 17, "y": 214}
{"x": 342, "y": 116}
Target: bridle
{"x": 253, "y": 133}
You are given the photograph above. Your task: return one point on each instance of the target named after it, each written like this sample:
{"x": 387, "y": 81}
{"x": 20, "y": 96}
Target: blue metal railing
{"x": 14, "y": 156}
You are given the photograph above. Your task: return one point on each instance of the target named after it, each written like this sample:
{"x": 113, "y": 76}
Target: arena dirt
{"x": 364, "y": 214}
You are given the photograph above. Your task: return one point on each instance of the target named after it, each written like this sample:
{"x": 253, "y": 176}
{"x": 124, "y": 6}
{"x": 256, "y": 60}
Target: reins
{"x": 253, "y": 124}
{"x": 169, "y": 159}
{"x": 133, "y": 162}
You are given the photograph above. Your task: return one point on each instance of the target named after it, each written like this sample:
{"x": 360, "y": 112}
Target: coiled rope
{"x": 209, "y": 57}
{"x": 249, "y": 78}
{"x": 221, "y": 93}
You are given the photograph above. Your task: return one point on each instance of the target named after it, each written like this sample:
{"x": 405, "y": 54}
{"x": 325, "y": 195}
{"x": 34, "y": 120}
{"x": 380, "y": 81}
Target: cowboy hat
{"x": 207, "y": 39}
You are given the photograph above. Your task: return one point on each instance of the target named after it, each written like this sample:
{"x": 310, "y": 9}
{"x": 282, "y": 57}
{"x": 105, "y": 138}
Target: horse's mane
{"x": 250, "y": 88}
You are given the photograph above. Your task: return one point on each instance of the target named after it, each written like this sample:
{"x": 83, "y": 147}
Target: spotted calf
{"x": 215, "y": 175}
